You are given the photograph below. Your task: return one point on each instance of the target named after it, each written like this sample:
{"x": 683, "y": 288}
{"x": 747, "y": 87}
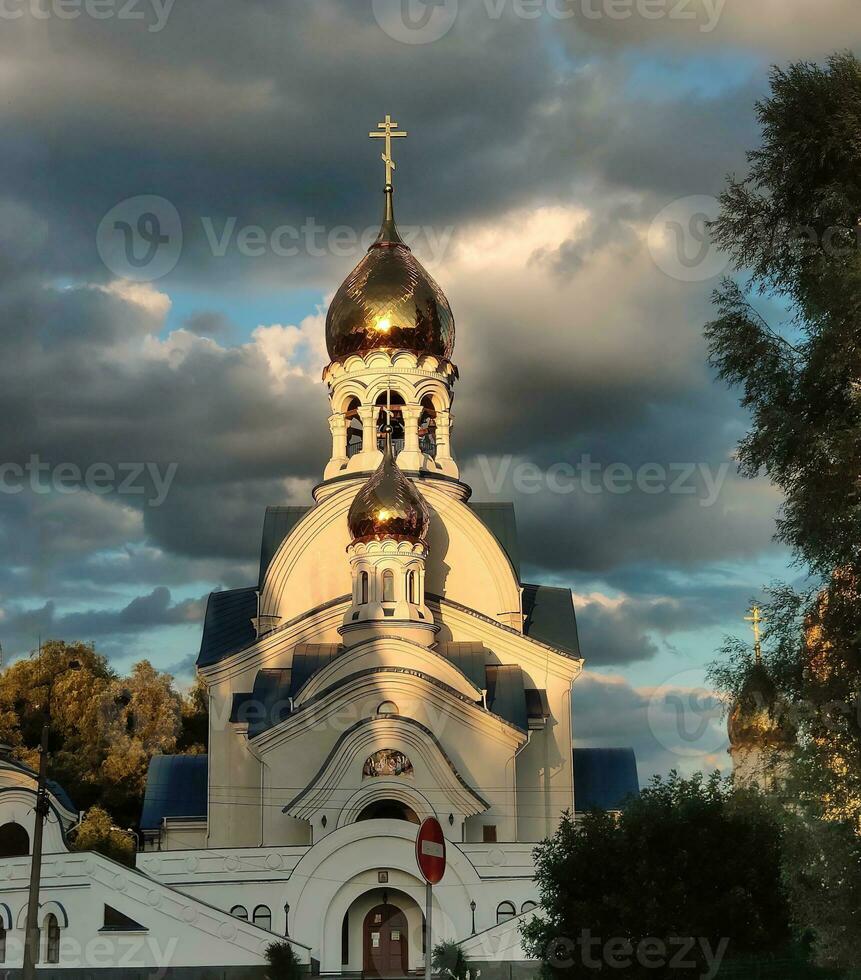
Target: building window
{"x": 14, "y": 841}
{"x": 528, "y": 906}
{"x": 489, "y": 833}
{"x": 427, "y": 427}
{"x": 388, "y": 586}
{"x": 363, "y": 588}
{"x": 2, "y": 945}
{"x": 504, "y": 912}
{"x": 52, "y": 939}
{"x": 355, "y": 434}
{"x": 411, "y": 587}
{"x": 240, "y": 912}
{"x": 387, "y": 709}
{"x": 263, "y": 917}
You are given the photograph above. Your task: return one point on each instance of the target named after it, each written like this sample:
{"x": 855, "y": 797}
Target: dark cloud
{"x": 676, "y": 724}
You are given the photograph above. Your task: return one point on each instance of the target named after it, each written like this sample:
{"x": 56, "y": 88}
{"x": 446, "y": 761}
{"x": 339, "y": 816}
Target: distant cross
{"x": 755, "y": 618}
{"x": 388, "y": 131}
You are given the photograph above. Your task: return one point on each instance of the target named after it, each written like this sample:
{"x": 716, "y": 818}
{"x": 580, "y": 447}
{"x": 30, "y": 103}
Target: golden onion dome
{"x": 389, "y": 301}
{"x": 388, "y": 506}
{"x": 759, "y": 717}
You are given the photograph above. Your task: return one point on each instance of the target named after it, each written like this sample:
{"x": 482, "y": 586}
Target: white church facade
{"x": 390, "y": 664}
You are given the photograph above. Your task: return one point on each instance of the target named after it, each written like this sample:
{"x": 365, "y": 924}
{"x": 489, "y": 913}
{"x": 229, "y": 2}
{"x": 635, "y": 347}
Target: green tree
{"x": 104, "y": 728}
{"x": 282, "y": 961}
{"x": 793, "y": 225}
{"x": 97, "y": 832}
{"x": 689, "y": 858}
{"x": 77, "y": 742}
{"x": 194, "y": 737}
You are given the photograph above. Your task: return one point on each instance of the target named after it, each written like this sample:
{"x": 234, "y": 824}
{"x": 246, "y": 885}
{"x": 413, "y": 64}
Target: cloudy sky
{"x": 183, "y": 189}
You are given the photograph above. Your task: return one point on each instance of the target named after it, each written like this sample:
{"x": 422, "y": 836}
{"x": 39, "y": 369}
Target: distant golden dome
{"x": 389, "y": 301}
{"x": 759, "y": 716}
{"x": 388, "y": 506}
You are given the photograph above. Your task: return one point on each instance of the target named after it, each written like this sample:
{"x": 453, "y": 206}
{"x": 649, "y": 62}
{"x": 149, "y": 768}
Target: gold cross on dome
{"x": 756, "y": 619}
{"x": 388, "y": 128}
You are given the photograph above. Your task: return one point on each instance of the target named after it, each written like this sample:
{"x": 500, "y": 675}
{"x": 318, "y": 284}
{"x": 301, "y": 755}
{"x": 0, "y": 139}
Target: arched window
{"x": 388, "y": 586}
{"x": 505, "y": 911}
{"x": 14, "y": 841}
{"x": 427, "y": 427}
{"x": 387, "y": 709}
{"x": 263, "y": 917}
{"x": 411, "y": 587}
{"x": 240, "y": 912}
{"x": 2, "y": 945}
{"x": 397, "y": 420}
{"x": 355, "y": 435}
{"x": 528, "y": 906}
{"x": 51, "y": 928}
{"x": 363, "y": 588}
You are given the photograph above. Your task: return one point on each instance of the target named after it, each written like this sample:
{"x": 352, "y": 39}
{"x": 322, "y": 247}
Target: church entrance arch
{"x": 384, "y": 942}
{"x": 388, "y": 810}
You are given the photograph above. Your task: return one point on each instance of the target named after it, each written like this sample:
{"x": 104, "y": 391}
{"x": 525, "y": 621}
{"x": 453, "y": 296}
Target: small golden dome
{"x": 388, "y": 506}
{"x": 389, "y": 301}
{"x": 759, "y": 717}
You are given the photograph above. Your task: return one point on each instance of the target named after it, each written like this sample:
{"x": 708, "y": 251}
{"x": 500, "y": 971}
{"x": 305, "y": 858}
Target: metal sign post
{"x": 430, "y": 856}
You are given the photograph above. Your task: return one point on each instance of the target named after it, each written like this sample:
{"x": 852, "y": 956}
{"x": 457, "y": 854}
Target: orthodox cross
{"x": 389, "y": 129}
{"x": 755, "y": 618}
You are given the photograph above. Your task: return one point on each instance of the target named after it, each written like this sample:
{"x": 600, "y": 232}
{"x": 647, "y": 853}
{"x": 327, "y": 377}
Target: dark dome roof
{"x": 389, "y": 301}
{"x": 759, "y": 716}
{"x": 388, "y": 506}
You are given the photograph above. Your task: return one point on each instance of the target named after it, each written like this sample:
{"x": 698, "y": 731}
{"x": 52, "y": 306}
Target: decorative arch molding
{"x": 5, "y": 917}
{"x": 335, "y": 872}
{"x": 388, "y": 683}
{"x": 342, "y": 771}
{"x": 16, "y": 806}
{"x": 45, "y": 909}
{"x": 498, "y": 597}
{"x": 379, "y": 652}
{"x": 385, "y": 789}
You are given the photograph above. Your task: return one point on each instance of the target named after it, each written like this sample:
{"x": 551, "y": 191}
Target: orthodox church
{"x": 389, "y": 665}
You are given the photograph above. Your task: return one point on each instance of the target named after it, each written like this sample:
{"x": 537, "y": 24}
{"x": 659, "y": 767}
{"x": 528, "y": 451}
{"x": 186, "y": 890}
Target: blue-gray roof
{"x": 500, "y": 521}
{"x": 270, "y": 699}
{"x": 227, "y": 624}
{"x": 505, "y": 694}
{"x": 548, "y": 616}
{"x": 604, "y": 778}
{"x": 175, "y": 787}
{"x": 277, "y": 524}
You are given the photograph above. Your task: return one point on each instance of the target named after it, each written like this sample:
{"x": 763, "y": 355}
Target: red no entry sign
{"x": 430, "y": 850}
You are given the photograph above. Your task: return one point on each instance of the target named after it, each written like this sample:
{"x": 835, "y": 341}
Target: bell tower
{"x": 390, "y": 336}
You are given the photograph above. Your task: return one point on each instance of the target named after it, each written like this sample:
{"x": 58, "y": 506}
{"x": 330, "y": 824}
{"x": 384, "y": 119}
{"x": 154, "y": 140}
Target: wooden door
{"x": 385, "y": 942}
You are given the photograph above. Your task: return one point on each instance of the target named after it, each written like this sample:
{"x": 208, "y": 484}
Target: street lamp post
{"x": 31, "y": 928}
